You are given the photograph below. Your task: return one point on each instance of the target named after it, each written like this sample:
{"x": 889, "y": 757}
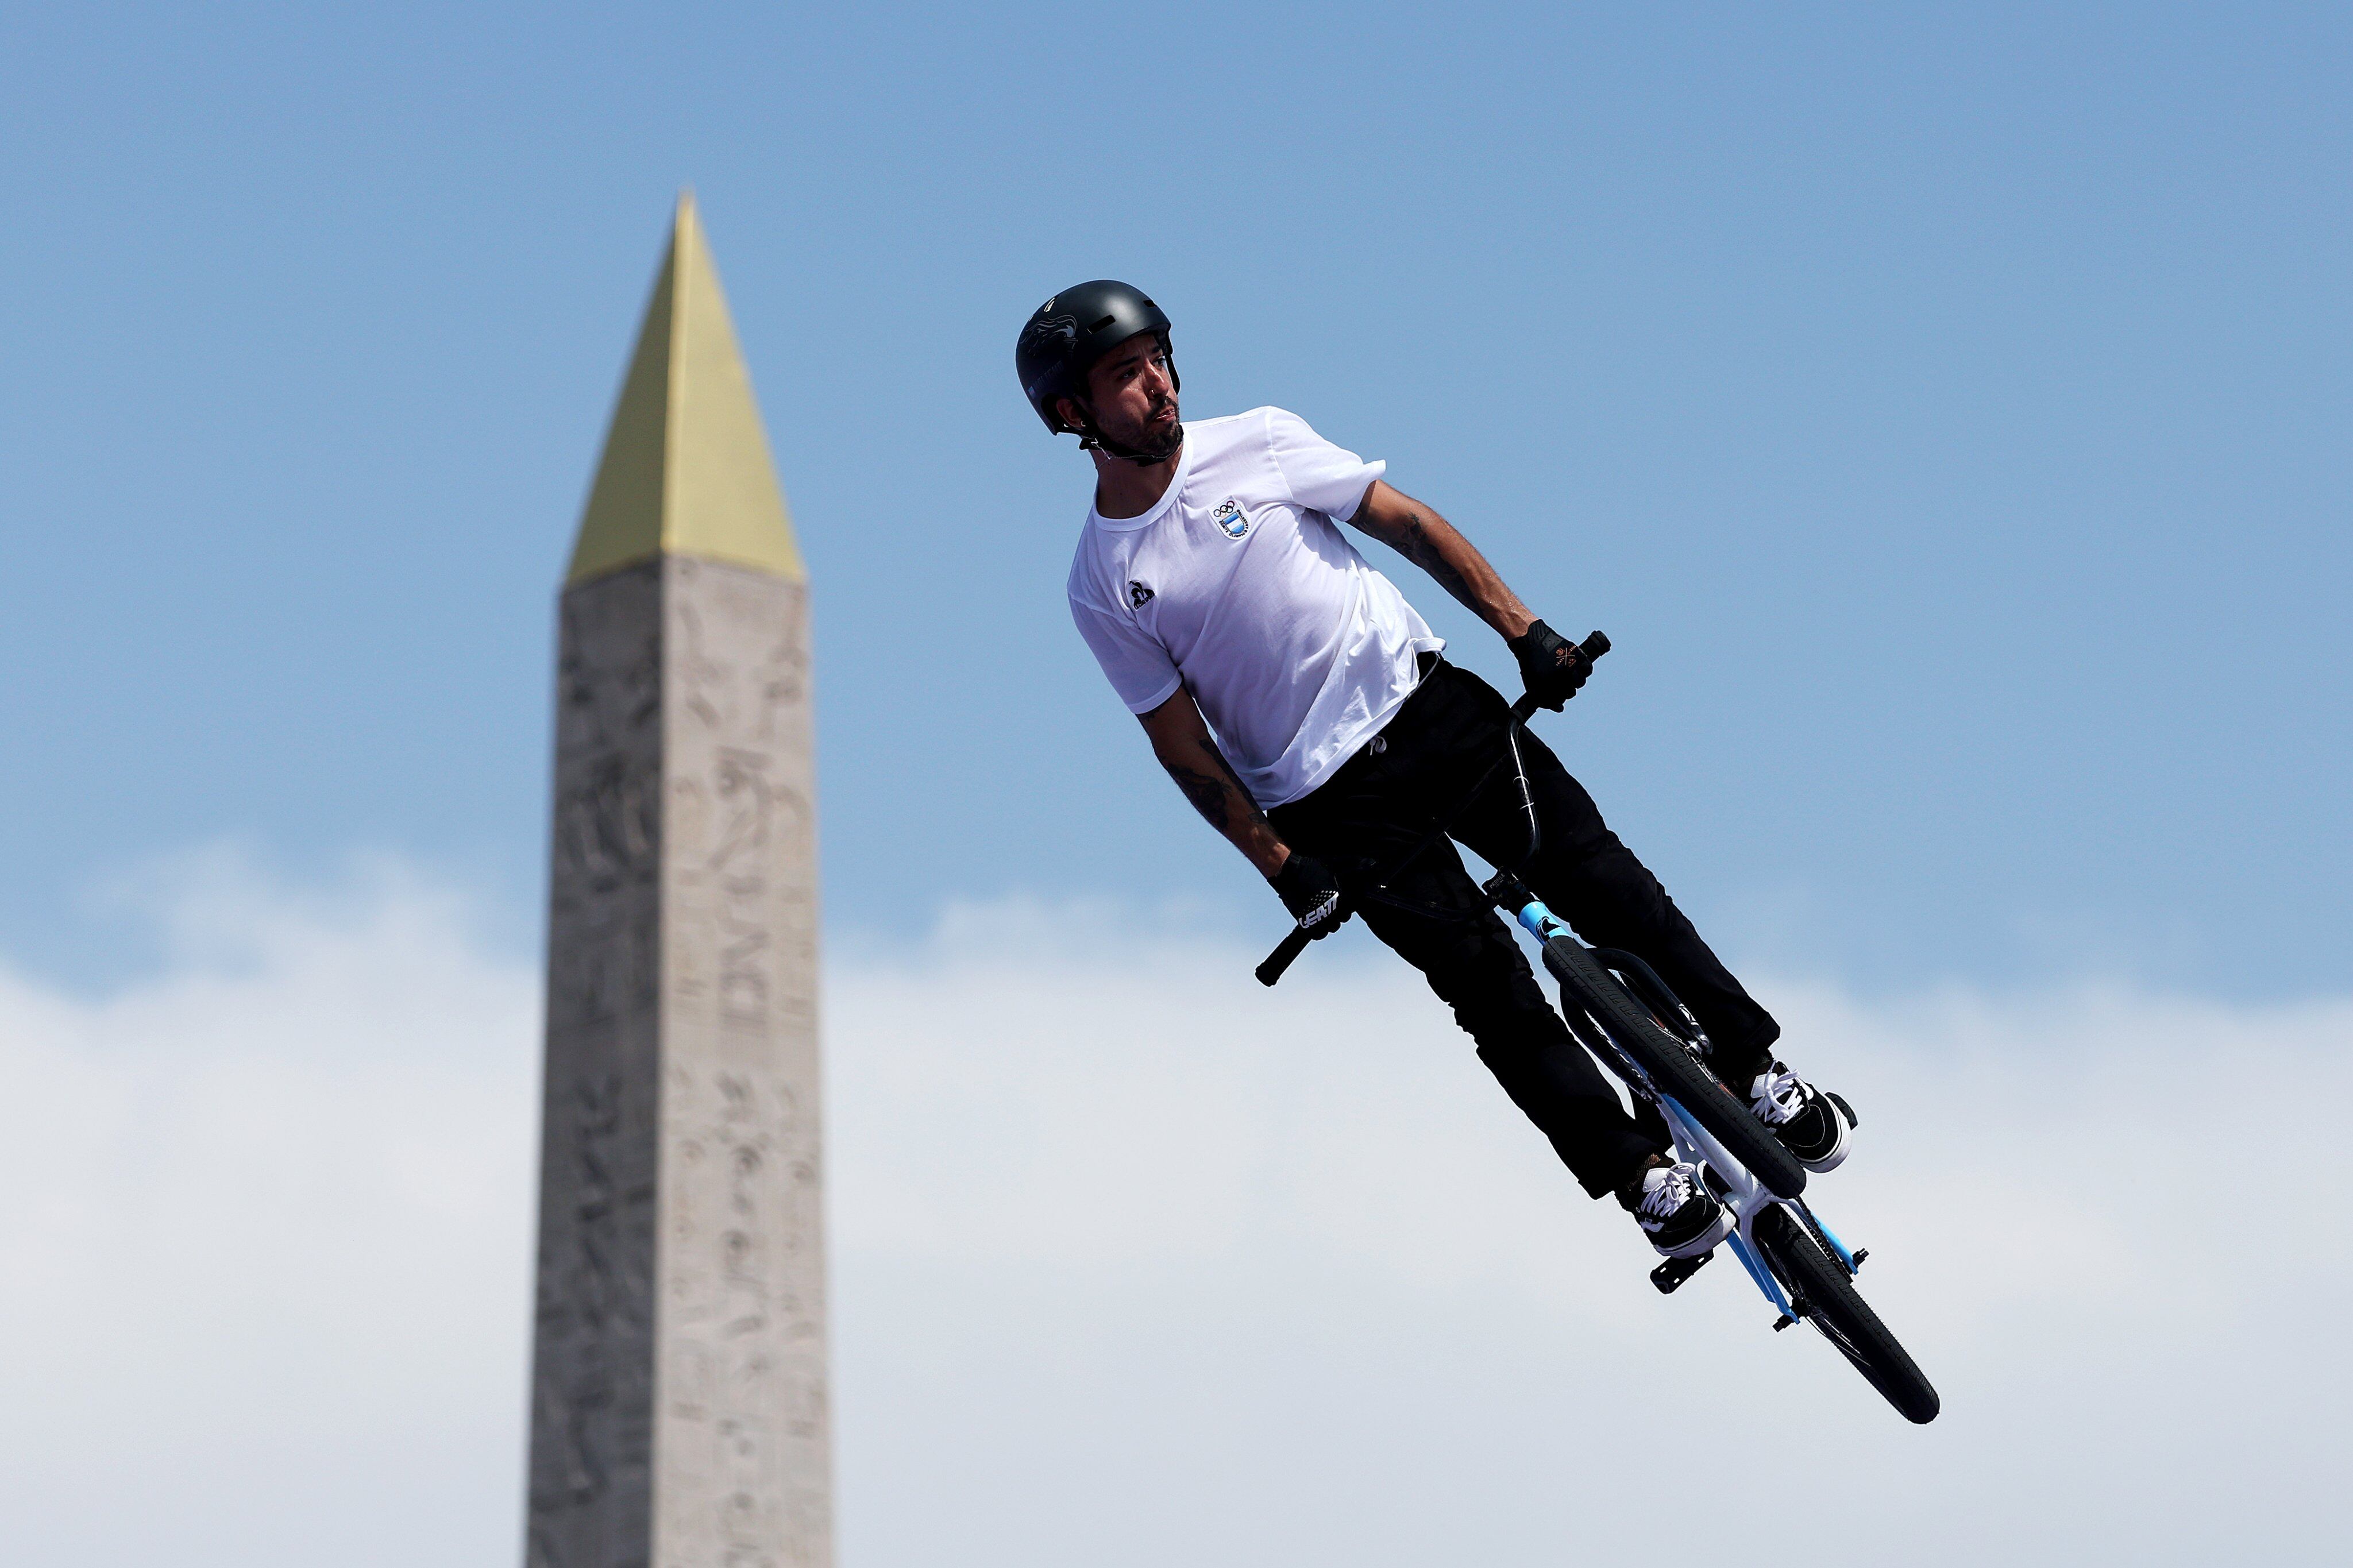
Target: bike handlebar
{"x": 1288, "y": 950}
{"x": 1294, "y": 943}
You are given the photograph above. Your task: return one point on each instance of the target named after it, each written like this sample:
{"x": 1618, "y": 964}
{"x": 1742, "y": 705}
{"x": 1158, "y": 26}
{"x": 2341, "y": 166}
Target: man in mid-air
{"x": 1303, "y": 709}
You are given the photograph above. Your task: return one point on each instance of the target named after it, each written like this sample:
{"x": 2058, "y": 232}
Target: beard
{"x": 1146, "y": 444}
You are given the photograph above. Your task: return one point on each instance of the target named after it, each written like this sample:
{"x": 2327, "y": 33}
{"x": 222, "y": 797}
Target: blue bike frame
{"x": 1745, "y": 1195}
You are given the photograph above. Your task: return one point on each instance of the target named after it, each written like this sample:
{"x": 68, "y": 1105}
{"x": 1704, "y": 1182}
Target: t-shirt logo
{"x": 1230, "y": 517}
{"x": 1139, "y": 596}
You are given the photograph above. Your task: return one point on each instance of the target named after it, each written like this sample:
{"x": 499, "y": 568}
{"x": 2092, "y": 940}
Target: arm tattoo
{"x": 1208, "y": 795}
{"x": 1435, "y": 545}
{"x": 1415, "y": 543}
{"x": 1213, "y": 794}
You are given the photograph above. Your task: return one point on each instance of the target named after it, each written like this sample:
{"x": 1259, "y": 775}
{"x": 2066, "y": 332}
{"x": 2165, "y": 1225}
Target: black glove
{"x": 1551, "y": 665}
{"x": 1312, "y": 894}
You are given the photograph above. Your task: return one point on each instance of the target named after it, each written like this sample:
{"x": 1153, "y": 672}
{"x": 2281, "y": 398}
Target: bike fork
{"x": 1747, "y": 1197}
{"x": 1743, "y": 1192}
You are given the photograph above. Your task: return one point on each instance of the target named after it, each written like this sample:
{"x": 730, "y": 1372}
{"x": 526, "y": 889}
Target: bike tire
{"x": 1672, "y": 1069}
{"x": 1827, "y": 1297}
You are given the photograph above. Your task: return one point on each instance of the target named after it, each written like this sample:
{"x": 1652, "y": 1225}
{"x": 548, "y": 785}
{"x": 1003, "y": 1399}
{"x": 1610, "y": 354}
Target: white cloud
{"x": 262, "y": 1232}
{"x": 1137, "y": 1263}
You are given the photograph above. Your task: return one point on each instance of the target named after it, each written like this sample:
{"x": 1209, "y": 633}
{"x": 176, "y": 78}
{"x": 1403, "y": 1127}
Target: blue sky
{"x": 1945, "y": 415}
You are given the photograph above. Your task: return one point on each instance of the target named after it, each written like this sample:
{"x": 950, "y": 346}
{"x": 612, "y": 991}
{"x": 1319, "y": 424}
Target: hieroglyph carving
{"x": 742, "y": 1383}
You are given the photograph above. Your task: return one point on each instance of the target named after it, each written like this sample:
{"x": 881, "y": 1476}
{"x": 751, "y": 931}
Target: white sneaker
{"x": 1678, "y": 1213}
{"x": 1814, "y": 1127}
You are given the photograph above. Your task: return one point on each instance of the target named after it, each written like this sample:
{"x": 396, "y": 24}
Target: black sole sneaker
{"x": 1817, "y": 1129}
{"x": 1676, "y": 1210}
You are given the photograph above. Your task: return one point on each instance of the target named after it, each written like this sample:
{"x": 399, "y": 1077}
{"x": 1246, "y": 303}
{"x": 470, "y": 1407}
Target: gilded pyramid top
{"x": 686, "y": 468}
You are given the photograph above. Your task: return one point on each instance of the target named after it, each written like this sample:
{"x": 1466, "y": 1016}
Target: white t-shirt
{"x": 1239, "y": 586}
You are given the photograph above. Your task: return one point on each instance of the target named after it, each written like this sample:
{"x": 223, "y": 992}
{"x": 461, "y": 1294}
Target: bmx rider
{"x": 1309, "y": 715}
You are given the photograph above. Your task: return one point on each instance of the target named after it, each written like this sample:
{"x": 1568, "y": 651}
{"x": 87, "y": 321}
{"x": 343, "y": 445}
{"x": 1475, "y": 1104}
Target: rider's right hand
{"x": 1552, "y": 666}
{"x": 1312, "y": 894}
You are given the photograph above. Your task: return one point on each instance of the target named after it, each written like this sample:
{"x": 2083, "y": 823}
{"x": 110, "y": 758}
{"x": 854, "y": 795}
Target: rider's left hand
{"x": 1312, "y": 895}
{"x": 1552, "y": 666}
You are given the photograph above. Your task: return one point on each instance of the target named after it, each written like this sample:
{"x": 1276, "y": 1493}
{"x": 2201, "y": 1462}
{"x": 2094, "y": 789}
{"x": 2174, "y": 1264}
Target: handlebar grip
{"x": 1281, "y": 957}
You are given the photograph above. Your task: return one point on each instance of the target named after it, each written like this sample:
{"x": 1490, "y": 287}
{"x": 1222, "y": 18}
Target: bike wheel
{"x": 1673, "y": 1070}
{"x": 1826, "y": 1297}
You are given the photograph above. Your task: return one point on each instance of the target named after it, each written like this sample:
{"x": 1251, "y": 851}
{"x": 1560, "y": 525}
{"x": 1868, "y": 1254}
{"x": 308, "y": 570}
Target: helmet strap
{"x": 1093, "y": 441}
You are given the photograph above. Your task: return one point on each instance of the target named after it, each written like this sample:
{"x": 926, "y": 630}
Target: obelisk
{"x": 679, "y": 1404}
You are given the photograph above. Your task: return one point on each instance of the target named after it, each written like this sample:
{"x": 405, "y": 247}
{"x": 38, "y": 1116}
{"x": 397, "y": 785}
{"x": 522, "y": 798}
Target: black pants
{"x": 1384, "y": 799}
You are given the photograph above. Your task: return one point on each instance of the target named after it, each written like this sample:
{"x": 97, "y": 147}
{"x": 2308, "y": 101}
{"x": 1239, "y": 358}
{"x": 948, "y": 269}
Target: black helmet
{"x": 1071, "y": 332}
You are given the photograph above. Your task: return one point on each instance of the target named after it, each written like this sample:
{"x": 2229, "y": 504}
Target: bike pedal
{"x": 1670, "y": 1274}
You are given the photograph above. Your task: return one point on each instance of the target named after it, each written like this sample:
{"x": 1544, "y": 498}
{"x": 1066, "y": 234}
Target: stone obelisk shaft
{"x": 679, "y": 1381}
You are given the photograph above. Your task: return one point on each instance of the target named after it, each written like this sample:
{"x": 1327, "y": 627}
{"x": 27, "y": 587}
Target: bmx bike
{"x": 1618, "y": 1009}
